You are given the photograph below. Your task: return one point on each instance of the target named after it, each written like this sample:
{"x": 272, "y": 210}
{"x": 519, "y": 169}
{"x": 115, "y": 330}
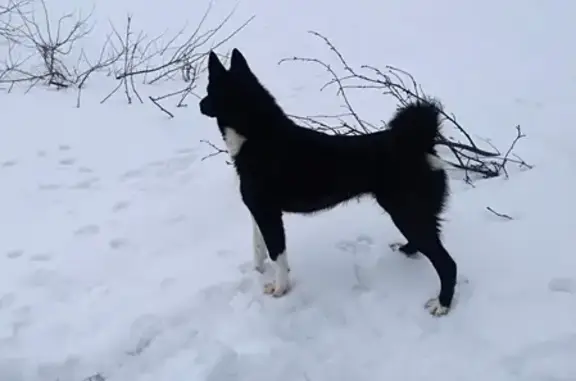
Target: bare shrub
{"x": 38, "y": 51}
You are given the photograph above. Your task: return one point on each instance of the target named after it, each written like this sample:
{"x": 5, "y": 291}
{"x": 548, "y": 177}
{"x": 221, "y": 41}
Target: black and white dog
{"x": 283, "y": 167}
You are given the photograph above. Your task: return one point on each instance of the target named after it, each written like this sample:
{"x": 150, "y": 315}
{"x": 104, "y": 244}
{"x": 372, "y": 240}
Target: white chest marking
{"x": 234, "y": 141}
{"x": 436, "y": 163}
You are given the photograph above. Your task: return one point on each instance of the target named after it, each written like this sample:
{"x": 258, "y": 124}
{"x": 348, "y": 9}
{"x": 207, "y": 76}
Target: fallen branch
{"x": 155, "y": 101}
{"x": 500, "y": 215}
{"x": 403, "y": 87}
{"x": 215, "y": 151}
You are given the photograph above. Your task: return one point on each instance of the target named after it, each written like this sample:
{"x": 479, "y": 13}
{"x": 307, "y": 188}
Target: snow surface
{"x": 123, "y": 254}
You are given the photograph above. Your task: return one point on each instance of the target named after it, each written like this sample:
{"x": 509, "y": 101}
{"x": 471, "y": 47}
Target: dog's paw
{"x": 275, "y": 289}
{"x": 435, "y": 308}
{"x": 405, "y": 248}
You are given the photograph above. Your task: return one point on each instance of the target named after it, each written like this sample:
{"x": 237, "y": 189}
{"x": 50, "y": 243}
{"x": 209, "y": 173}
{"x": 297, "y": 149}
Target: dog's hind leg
{"x": 422, "y": 229}
{"x": 408, "y": 249}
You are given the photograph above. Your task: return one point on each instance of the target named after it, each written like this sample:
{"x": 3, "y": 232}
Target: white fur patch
{"x": 436, "y": 164}
{"x": 234, "y": 141}
{"x": 281, "y": 282}
{"x": 259, "y": 246}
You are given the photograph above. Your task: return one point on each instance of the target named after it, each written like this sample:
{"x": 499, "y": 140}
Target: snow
{"x": 123, "y": 254}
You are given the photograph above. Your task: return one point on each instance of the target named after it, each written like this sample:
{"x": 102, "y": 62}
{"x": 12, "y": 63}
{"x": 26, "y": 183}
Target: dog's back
{"x": 307, "y": 170}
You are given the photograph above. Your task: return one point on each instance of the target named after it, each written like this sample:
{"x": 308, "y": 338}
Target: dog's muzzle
{"x": 207, "y": 108}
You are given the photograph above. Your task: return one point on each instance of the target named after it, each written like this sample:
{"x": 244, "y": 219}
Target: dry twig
{"x": 215, "y": 151}
{"x": 500, "y": 215}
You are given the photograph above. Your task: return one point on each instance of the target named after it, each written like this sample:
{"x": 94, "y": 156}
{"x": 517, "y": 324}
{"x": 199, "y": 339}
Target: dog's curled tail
{"x": 415, "y": 126}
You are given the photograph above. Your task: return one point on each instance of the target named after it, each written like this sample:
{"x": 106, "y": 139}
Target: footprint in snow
{"x": 42, "y": 257}
{"x": 131, "y": 174}
{"x": 118, "y": 243}
{"x": 361, "y": 244}
{"x": 562, "y": 284}
{"x": 13, "y": 254}
{"x": 176, "y": 219}
{"x": 173, "y": 166}
{"x": 224, "y": 253}
{"x": 45, "y": 187}
{"x": 68, "y": 161}
{"x": 86, "y": 184}
{"x": 120, "y": 206}
{"x": 7, "y": 300}
{"x": 184, "y": 151}
{"x": 85, "y": 170}
{"x": 547, "y": 360}
{"x": 87, "y": 230}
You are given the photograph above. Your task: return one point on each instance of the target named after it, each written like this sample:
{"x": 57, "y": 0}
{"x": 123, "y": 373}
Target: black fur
{"x": 284, "y": 167}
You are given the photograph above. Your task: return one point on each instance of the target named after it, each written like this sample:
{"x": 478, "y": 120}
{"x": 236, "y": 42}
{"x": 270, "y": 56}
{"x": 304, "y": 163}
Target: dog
{"x": 286, "y": 168}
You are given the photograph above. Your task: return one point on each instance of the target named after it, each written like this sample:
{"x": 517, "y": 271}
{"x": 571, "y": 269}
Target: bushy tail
{"x": 415, "y": 128}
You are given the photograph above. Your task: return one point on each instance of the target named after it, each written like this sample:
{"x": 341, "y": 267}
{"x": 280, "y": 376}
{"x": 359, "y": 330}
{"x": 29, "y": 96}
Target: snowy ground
{"x": 124, "y": 254}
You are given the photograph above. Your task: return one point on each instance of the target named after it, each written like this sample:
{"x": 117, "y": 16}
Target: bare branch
{"x": 42, "y": 50}
{"x": 404, "y": 88}
{"x": 500, "y": 215}
{"x": 155, "y": 101}
{"x": 215, "y": 151}
{"x": 47, "y": 46}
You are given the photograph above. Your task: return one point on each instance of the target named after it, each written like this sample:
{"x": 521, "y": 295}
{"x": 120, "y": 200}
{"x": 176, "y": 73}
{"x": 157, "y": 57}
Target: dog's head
{"x": 228, "y": 91}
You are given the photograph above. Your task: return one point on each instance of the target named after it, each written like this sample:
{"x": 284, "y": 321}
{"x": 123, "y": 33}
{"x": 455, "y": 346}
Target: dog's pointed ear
{"x": 238, "y": 63}
{"x": 215, "y": 67}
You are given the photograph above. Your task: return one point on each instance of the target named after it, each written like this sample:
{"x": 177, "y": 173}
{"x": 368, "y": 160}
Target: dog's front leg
{"x": 259, "y": 247}
{"x": 269, "y": 225}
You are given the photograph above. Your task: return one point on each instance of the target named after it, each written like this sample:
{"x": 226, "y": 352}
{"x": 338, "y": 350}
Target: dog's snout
{"x": 207, "y": 107}
{"x": 203, "y": 106}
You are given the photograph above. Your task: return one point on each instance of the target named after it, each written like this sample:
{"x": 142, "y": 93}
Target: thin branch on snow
{"x": 500, "y": 215}
{"x": 403, "y": 87}
{"x": 506, "y": 158}
{"x": 215, "y": 151}
{"x": 155, "y": 101}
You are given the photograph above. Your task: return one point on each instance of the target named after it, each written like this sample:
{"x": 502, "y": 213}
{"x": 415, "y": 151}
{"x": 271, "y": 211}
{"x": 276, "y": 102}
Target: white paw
{"x": 281, "y": 283}
{"x": 435, "y": 308}
{"x": 275, "y": 289}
